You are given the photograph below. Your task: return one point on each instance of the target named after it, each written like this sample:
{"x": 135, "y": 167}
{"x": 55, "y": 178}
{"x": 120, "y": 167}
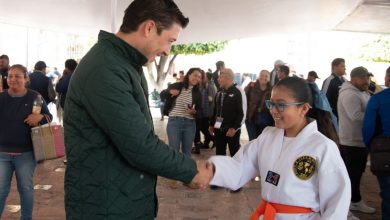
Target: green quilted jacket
{"x": 114, "y": 156}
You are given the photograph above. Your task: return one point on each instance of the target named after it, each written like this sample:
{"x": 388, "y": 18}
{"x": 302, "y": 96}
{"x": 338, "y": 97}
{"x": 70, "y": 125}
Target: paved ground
{"x": 181, "y": 203}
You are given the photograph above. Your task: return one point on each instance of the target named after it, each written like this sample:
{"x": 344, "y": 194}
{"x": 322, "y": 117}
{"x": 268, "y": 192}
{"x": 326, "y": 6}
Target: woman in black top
{"x": 183, "y": 103}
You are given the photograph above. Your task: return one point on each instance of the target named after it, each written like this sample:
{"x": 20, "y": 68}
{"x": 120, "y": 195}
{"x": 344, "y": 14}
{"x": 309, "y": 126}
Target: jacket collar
{"x": 341, "y": 78}
{"x": 229, "y": 88}
{"x": 39, "y": 72}
{"x": 125, "y": 49}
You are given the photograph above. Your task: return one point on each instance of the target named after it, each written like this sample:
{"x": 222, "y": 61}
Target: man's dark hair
{"x": 284, "y": 69}
{"x": 5, "y": 57}
{"x": 71, "y": 64}
{"x": 163, "y": 12}
{"x": 388, "y": 72}
{"x": 40, "y": 66}
{"x": 219, "y": 64}
{"x": 337, "y": 62}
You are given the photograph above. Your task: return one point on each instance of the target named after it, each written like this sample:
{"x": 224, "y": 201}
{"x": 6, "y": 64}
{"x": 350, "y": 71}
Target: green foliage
{"x": 155, "y": 95}
{"x": 378, "y": 50}
{"x": 199, "y": 48}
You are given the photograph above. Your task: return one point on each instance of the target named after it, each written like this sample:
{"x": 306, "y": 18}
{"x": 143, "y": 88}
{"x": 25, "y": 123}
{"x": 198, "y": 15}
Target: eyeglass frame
{"x": 280, "y": 107}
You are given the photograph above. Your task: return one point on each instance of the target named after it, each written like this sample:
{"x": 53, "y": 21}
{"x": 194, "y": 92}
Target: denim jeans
{"x": 24, "y": 166}
{"x": 181, "y": 132}
{"x": 384, "y": 185}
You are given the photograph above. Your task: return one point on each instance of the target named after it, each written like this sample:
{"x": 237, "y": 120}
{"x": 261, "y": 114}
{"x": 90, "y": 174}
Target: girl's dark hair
{"x": 298, "y": 87}
{"x": 187, "y": 76}
{"x": 302, "y": 92}
{"x": 163, "y": 12}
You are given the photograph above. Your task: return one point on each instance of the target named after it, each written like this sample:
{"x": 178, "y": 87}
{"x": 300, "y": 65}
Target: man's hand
{"x": 33, "y": 119}
{"x": 231, "y": 132}
{"x": 204, "y": 176}
{"x": 211, "y": 130}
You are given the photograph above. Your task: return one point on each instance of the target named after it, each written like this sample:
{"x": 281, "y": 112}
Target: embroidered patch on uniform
{"x": 305, "y": 167}
{"x": 272, "y": 178}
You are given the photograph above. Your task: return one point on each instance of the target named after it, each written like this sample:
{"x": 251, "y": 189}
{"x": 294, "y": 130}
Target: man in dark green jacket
{"x": 114, "y": 156}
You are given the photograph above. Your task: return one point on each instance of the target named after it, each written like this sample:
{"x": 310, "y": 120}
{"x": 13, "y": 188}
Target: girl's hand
{"x": 191, "y": 111}
{"x": 174, "y": 92}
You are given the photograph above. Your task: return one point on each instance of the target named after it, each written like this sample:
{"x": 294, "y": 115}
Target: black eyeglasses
{"x": 280, "y": 106}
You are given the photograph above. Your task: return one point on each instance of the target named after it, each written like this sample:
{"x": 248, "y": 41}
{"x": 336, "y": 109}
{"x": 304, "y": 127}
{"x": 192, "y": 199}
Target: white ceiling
{"x": 209, "y": 19}
{"x": 372, "y": 16}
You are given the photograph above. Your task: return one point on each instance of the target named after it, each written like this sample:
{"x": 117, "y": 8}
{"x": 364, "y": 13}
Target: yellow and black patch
{"x": 305, "y": 167}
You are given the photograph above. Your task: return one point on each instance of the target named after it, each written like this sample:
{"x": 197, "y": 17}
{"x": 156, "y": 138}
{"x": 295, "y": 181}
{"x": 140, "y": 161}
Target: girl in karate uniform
{"x": 302, "y": 173}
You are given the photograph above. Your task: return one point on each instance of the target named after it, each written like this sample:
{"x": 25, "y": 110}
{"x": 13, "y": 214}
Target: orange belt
{"x": 269, "y": 210}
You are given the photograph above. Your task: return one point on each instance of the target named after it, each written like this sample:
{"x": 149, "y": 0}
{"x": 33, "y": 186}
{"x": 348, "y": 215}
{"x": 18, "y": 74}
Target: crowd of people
{"x": 337, "y": 111}
{"x": 308, "y": 146}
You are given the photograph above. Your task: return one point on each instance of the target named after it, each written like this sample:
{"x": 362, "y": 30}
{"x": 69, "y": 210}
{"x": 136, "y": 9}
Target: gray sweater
{"x": 351, "y": 106}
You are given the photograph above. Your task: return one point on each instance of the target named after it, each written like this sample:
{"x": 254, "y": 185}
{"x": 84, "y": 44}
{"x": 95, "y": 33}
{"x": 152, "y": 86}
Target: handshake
{"x": 205, "y": 173}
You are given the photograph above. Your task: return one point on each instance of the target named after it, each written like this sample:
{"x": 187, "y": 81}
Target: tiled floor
{"x": 181, "y": 203}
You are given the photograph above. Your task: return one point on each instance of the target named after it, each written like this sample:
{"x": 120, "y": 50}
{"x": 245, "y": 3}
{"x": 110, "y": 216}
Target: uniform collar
{"x": 310, "y": 128}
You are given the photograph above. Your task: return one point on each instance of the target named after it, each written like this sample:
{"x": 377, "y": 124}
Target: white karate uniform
{"x": 327, "y": 192}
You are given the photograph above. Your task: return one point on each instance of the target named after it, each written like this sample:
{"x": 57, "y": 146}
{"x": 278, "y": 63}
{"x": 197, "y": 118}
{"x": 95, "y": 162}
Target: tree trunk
{"x": 160, "y": 70}
{"x": 157, "y": 80}
{"x": 170, "y": 66}
{"x": 151, "y": 75}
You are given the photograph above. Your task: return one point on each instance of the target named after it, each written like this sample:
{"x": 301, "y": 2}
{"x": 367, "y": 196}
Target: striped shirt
{"x": 182, "y": 102}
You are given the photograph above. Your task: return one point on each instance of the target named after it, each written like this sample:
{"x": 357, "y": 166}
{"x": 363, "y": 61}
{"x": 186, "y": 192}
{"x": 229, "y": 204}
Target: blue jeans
{"x": 384, "y": 185}
{"x": 181, "y": 131}
{"x": 24, "y": 166}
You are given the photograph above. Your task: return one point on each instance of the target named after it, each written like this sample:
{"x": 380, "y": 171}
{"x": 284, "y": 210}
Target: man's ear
{"x": 148, "y": 27}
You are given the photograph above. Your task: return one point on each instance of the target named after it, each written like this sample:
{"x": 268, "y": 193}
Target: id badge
{"x": 218, "y": 123}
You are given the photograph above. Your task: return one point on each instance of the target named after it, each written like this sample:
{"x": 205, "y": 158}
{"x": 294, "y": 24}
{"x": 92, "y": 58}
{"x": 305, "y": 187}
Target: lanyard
{"x": 222, "y": 95}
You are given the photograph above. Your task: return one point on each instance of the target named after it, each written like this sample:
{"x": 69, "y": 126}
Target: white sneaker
{"x": 362, "y": 207}
{"x": 352, "y": 217}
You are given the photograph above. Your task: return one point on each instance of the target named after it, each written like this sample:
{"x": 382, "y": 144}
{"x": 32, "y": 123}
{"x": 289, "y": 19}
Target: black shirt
{"x": 4, "y": 75}
{"x": 15, "y": 135}
{"x": 228, "y": 105}
{"x": 330, "y": 88}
